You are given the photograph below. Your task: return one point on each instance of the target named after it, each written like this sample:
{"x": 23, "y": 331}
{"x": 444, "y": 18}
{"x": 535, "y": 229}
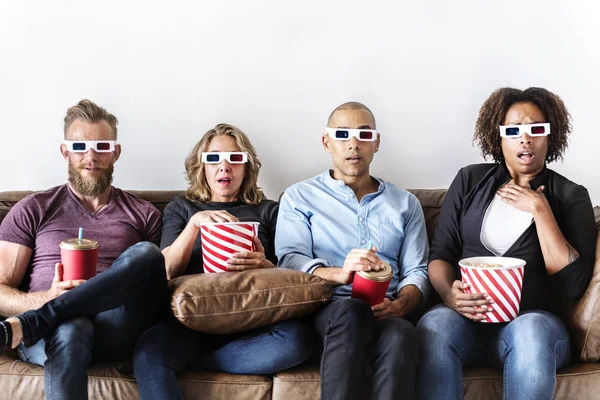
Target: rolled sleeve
{"x": 414, "y": 254}
{"x": 293, "y": 238}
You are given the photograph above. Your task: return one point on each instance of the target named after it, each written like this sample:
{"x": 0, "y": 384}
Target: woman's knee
{"x": 295, "y": 338}
{"x": 536, "y": 337}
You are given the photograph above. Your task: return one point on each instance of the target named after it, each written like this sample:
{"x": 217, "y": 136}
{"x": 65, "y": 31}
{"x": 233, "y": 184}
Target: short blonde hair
{"x": 199, "y": 190}
{"x": 88, "y": 111}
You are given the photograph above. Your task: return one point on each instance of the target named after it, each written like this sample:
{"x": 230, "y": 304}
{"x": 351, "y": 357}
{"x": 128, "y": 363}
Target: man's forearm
{"x": 329, "y": 273}
{"x": 14, "y": 302}
{"x": 411, "y": 297}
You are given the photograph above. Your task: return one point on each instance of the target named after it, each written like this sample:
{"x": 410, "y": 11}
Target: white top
{"x": 502, "y": 225}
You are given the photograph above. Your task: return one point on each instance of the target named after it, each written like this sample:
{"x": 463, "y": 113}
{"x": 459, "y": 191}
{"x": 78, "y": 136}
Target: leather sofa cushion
{"x": 22, "y": 381}
{"x": 581, "y": 382}
{"x": 232, "y": 302}
{"x": 585, "y": 318}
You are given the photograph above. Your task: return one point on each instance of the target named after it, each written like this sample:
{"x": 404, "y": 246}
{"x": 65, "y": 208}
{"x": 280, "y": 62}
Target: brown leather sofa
{"x": 581, "y": 381}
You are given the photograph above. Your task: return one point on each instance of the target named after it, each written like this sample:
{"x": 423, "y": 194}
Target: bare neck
{"x": 522, "y": 179}
{"x": 360, "y": 185}
{"x": 93, "y": 203}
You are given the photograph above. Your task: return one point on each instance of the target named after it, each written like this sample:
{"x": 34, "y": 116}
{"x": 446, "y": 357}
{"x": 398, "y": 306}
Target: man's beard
{"x": 90, "y": 186}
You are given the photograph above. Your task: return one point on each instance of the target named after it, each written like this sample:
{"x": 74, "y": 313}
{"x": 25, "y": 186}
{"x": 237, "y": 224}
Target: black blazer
{"x": 458, "y": 232}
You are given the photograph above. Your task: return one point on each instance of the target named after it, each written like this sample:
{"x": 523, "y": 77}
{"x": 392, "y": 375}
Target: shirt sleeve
{"x": 21, "y": 223}
{"x": 174, "y": 222}
{"x": 293, "y": 237}
{"x": 447, "y": 242}
{"x": 154, "y": 226}
{"x": 414, "y": 252}
{"x": 578, "y": 226}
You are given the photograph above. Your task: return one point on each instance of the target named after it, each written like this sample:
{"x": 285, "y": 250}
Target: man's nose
{"x": 91, "y": 153}
{"x": 353, "y": 142}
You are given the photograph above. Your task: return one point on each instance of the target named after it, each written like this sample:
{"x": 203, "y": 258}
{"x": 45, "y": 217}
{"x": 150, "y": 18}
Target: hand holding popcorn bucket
{"x": 221, "y": 240}
{"x": 501, "y": 278}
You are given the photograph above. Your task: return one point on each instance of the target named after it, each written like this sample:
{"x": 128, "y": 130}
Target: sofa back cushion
{"x": 431, "y": 202}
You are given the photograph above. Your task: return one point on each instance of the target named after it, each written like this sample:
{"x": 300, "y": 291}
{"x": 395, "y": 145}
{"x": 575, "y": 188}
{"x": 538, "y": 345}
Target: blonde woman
{"x": 222, "y": 170}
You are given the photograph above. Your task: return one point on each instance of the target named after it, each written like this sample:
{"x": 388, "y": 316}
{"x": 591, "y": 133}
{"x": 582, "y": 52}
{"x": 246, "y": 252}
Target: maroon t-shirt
{"x": 42, "y": 220}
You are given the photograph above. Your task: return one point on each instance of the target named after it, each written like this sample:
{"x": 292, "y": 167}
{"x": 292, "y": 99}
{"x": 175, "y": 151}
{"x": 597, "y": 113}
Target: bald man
{"x": 343, "y": 221}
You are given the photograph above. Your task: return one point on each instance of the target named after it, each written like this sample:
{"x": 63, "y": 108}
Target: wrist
{"x": 539, "y": 208}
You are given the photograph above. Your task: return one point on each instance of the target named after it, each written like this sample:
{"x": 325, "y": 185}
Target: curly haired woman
{"x": 514, "y": 207}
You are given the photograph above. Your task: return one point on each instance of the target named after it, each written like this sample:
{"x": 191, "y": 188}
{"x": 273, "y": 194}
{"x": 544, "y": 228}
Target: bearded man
{"x": 64, "y": 324}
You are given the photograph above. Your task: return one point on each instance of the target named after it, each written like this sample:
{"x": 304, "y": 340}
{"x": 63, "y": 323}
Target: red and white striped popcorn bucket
{"x": 501, "y": 278}
{"x": 221, "y": 240}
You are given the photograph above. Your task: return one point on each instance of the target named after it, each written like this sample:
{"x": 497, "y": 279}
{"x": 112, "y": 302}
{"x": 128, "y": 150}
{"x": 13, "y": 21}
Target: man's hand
{"x": 249, "y": 259}
{"x": 58, "y": 285}
{"x": 408, "y": 300}
{"x": 358, "y": 260}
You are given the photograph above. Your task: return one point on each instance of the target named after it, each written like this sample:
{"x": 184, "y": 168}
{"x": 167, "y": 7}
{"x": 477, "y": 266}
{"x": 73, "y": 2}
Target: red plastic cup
{"x": 221, "y": 240}
{"x": 79, "y": 258}
{"x": 503, "y": 284}
{"x": 371, "y": 286}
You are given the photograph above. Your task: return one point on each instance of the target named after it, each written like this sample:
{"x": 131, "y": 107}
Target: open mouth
{"x": 224, "y": 181}
{"x": 526, "y": 156}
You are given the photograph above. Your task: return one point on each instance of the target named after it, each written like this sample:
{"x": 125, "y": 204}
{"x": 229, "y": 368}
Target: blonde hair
{"x": 199, "y": 190}
{"x": 89, "y": 111}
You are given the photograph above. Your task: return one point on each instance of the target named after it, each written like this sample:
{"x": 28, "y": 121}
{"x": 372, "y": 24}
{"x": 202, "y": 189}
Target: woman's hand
{"x": 471, "y": 306}
{"x": 211, "y": 216}
{"x": 522, "y": 198}
{"x": 250, "y": 259}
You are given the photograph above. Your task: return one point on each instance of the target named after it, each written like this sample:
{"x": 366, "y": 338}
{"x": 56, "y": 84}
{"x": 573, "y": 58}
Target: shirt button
{"x": 363, "y": 241}
{"x": 361, "y": 219}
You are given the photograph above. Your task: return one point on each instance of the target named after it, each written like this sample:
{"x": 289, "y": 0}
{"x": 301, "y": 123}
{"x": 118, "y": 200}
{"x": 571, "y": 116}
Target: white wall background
{"x": 171, "y": 70}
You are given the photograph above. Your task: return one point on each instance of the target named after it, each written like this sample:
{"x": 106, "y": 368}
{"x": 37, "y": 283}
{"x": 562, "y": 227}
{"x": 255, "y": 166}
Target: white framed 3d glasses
{"x": 217, "y": 157}
{"x": 516, "y": 131}
{"x": 364, "y": 135}
{"x": 82, "y": 146}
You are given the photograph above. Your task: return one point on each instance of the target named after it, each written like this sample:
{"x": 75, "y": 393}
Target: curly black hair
{"x": 493, "y": 112}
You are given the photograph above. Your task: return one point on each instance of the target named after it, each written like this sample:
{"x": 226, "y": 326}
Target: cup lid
{"x": 383, "y": 275}
{"x": 79, "y": 244}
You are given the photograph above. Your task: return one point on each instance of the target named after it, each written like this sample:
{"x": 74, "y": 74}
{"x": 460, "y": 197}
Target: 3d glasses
{"x": 234, "y": 157}
{"x": 516, "y": 131}
{"x": 82, "y": 146}
{"x": 365, "y": 135}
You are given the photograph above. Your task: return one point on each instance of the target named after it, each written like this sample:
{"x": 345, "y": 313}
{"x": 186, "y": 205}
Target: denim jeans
{"x": 363, "y": 357}
{"x": 102, "y": 318}
{"x": 528, "y": 350}
{"x": 169, "y": 347}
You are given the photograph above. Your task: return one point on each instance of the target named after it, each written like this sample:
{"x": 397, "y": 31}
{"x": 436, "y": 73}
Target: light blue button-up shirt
{"x": 320, "y": 221}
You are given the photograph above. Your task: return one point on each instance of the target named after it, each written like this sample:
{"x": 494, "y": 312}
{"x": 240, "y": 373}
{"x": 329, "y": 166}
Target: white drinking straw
{"x": 80, "y": 234}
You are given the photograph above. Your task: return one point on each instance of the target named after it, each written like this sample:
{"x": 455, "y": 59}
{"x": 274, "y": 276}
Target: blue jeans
{"x": 529, "y": 350}
{"x": 363, "y": 357}
{"x": 101, "y": 319}
{"x": 169, "y": 347}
